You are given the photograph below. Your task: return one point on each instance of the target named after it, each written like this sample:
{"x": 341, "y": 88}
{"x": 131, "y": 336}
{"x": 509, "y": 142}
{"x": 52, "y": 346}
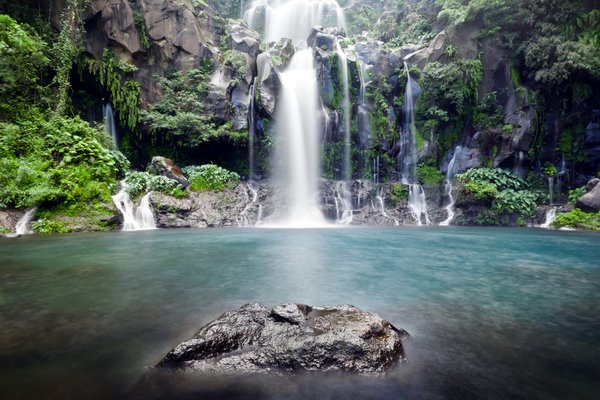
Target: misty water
{"x": 492, "y": 313}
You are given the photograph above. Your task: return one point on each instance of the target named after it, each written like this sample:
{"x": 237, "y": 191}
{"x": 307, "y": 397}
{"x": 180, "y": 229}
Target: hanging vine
{"x": 111, "y": 74}
{"x": 67, "y": 49}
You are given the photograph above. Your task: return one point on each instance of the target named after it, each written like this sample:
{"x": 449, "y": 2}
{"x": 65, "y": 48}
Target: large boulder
{"x": 291, "y": 338}
{"x": 590, "y": 201}
{"x": 167, "y": 167}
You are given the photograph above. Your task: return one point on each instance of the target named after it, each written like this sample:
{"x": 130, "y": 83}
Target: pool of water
{"x": 492, "y": 313}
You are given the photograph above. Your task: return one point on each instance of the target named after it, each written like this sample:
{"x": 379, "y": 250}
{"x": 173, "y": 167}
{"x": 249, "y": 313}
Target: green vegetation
{"x": 47, "y": 159}
{"x": 499, "y": 189}
{"x": 398, "y": 194}
{"x": 578, "y": 219}
{"x": 575, "y": 194}
{"x": 429, "y": 175}
{"x": 209, "y": 177}
{"x": 177, "y": 119}
{"x": 140, "y": 182}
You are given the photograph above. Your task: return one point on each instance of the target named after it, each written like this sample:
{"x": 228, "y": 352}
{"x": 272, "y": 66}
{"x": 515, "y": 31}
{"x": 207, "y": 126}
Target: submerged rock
{"x": 291, "y": 338}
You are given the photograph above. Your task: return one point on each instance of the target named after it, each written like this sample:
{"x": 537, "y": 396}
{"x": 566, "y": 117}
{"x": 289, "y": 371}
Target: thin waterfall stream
{"x": 134, "y": 218}
{"x": 407, "y": 159}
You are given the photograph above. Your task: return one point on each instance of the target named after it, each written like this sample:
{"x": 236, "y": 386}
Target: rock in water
{"x": 291, "y": 338}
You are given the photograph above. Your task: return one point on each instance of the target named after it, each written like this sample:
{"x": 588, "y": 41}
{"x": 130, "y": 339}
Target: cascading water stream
{"x": 243, "y": 221}
{"x": 452, "y": 170}
{"x": 298, "y": 116}
{"x": 364, "y": 117}
{"x": 407, "y": 159}
{"x": 297, "y": 149}
{"x": 550, "y": 217}
{"x": 251, "y": 136}
{"x": 346, "y": 112}
{"x": 110, "y": 126}
{"x": 23, "y": 224}
{"x": 134, "y": 218}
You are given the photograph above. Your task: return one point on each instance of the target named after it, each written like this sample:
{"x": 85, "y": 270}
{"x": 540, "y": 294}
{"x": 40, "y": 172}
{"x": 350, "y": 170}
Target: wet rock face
{"x": 291, "y": 338}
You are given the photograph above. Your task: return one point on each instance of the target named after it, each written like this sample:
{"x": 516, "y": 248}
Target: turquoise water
{"x": 493, "y": 313}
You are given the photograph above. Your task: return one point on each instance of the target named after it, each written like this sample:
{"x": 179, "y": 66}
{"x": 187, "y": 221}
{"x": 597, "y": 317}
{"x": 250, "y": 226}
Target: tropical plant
{"x": 499, "y": 188}
{"x": 578, "y": 219}
{"x": 209, "y": 177}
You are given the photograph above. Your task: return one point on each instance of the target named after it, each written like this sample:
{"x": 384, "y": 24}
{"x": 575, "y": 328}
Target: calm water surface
{"x": 493, "y": 313}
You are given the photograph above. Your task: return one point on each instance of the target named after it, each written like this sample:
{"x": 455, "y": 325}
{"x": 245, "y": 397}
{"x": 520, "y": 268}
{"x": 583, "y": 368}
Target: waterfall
{"x": 23, "y": 224}
{"x": 550, "y": 217}
{"x": 243, "y": 221}
{"x": 381, "y": 208}
{"x": 298, "y": 136}
{"x": 343, "y": 203}
{"x": 293, "y": 19}
{"x": 298, "y": 114}
{"x": 452, "y": 170}
{"x": 110, "y": 126}
{"x": 551, "y": 189}
{"x": 364, "y": 118}
{"x": 134, "y": 218}
{"x": 518, "y": 164}
{"x": 251, "y": 136}
{"x": 346, "y": 113}
{"x": 417, "y": 202}
{"x": 407, "y": 158}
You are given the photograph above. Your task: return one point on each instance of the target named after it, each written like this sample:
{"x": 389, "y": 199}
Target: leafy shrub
{"x": 501, "y": 178}
{"x": 575, "y": 194}
{"x": 481, "y": 191}
{"x": 45, "y": 226}
{"x": 578, "y": 219}
{"x": 159, "y": 183}
{"x": 209, "y": 177}
{"x": 429, "y": 174}
{"x": 522, "y": 202}
{"x": 503, "y": 190}
{"x": 138, "y": 182}
{"x": 398, "y": 194}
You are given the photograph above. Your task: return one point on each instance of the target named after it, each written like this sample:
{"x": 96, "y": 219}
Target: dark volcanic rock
{"x": 291, "y": 338}
{"x": 590, "y": 202}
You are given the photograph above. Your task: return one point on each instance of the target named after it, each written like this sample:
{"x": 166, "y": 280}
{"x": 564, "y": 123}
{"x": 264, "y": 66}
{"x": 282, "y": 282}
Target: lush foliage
{"x": 22, "y": 60}
{"x": 428, "y": 174}
{"x": 139, "y": 182}
{"x": 57, "y": 162}
{"x": 209, "y": 177}
{"x": 124, "y": 93}
{"x": 177, "y": 118}
{"x": 500, "y": 189}
{"x": 62, "y": 160}
{"x": 575, "y": 194}
{"x": 578, "y": 219}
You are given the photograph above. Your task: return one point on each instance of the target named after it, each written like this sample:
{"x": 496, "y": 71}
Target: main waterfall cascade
{"x": 134, "y": 218}
{"x": 299, "y": 117}
{"x": 293, "y": 19}
{"x": 297, "y": 146}
{"x": 299, "y": 114}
